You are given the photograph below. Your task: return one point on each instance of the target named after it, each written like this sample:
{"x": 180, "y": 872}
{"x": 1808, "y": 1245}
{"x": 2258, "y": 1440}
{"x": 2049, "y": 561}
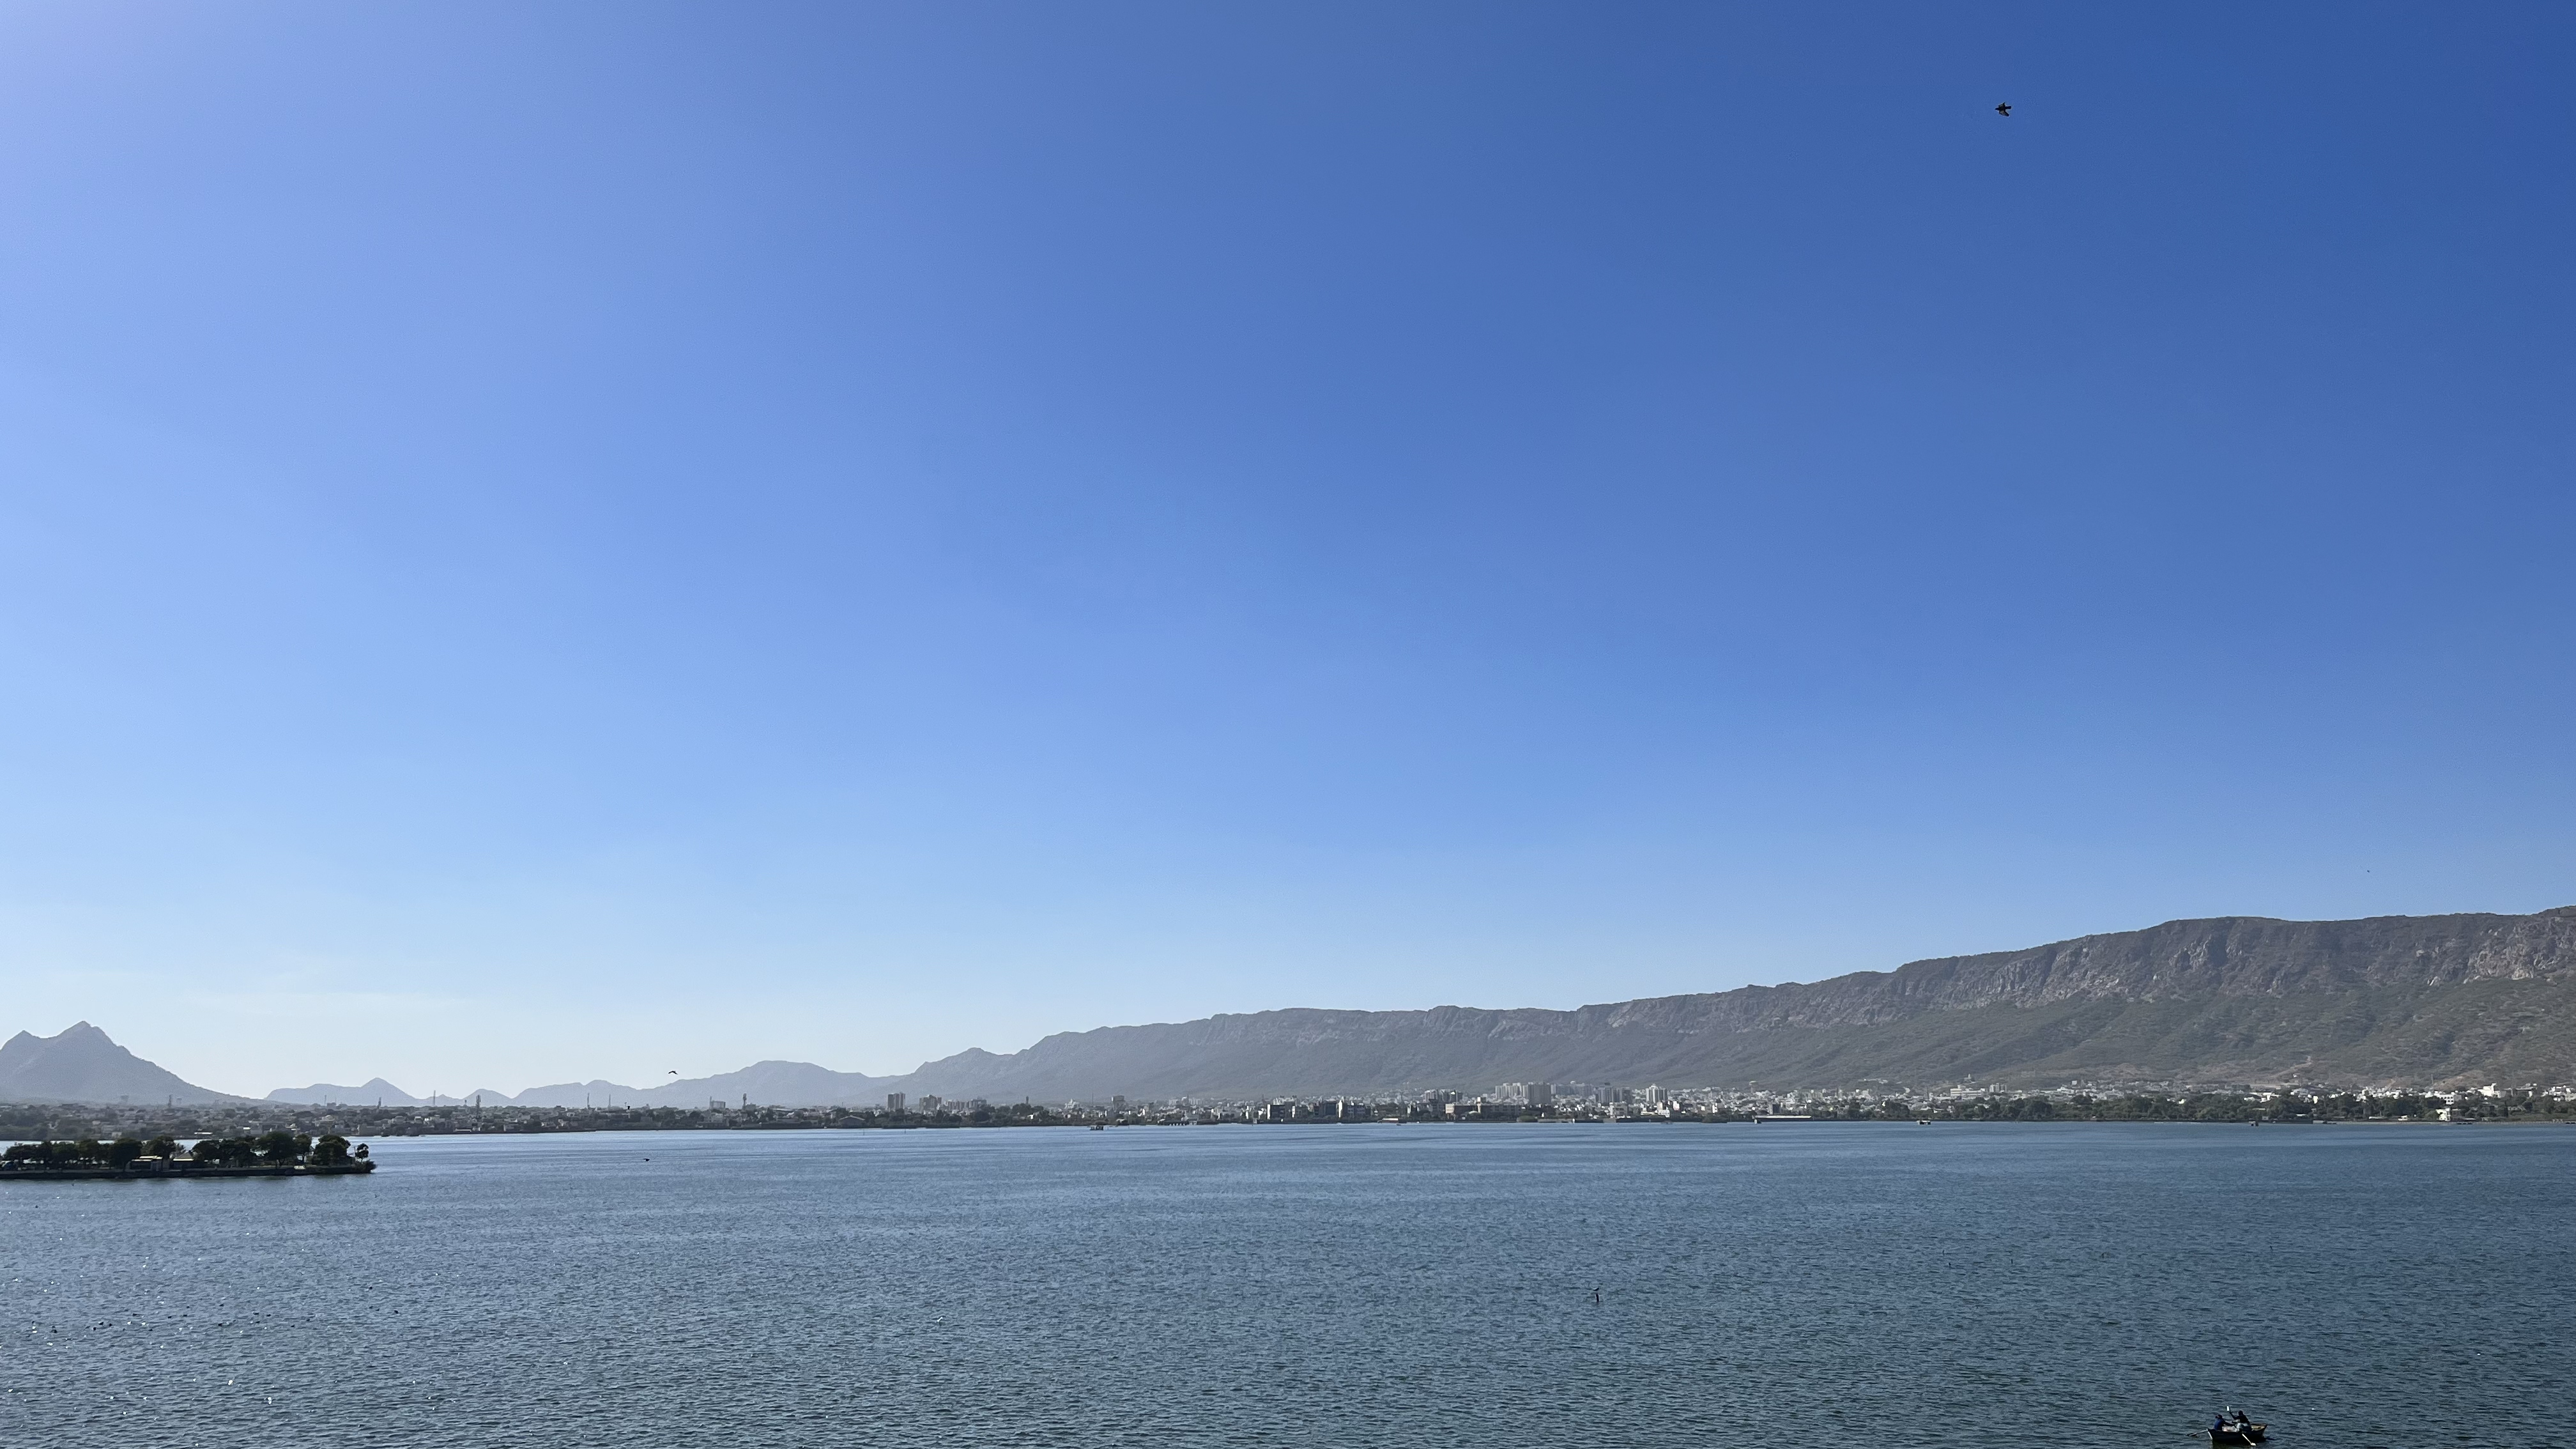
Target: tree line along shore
{"x": 110, "y": 1129}
{"x": 277, "y": 1152}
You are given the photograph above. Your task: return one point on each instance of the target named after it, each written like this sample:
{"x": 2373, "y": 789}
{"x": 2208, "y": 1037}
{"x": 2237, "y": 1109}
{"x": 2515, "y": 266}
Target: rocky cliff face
{"x": 2396, "y": 998}
{"x": 2252, "y": 956}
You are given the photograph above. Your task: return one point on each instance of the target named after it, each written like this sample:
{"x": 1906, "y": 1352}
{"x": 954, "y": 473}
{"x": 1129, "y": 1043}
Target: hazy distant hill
{"x": 2399, "y": 1000}
{"x": 775, "y": 1084}
{"x": 80, "y": 1064}
{"x": 593, "y": 1093}
{"x": 2412, "y": 999}
{"x": 377, "y": 1092}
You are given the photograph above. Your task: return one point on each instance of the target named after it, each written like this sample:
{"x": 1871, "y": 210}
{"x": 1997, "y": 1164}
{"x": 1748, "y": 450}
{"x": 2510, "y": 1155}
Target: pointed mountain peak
{"x": 81, "y": 1063}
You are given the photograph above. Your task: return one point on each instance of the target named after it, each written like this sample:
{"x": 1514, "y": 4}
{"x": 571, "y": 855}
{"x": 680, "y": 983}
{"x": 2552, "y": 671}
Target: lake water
{"x": 1325, "y": 1286}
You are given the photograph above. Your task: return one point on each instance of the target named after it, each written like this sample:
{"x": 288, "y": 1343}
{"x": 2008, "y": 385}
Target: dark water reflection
{"x": 1399, "y": 1286}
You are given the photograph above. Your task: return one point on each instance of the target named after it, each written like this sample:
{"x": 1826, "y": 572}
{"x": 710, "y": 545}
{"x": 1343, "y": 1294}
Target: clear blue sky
{"x": 566, "y": 540}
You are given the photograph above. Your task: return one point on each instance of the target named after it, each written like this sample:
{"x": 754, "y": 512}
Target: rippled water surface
{"x": 1341, "y": 1286}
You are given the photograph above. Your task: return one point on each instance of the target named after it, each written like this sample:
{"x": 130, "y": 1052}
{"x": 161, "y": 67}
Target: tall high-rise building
{"x": 894, "y": 1101}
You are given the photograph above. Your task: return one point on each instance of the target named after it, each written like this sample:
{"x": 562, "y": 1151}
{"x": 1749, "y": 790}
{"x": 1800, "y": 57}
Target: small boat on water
{"x": 2235, "y": 1431}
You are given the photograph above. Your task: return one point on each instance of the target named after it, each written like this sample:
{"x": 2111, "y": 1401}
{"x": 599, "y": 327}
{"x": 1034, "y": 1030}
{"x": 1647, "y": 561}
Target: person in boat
{"x": 2217, "y": 1426}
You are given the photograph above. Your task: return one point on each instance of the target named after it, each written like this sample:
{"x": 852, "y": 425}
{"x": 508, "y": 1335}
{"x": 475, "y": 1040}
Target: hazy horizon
{"x": 671, "y": 1078}
{"x": 549, "y": 543}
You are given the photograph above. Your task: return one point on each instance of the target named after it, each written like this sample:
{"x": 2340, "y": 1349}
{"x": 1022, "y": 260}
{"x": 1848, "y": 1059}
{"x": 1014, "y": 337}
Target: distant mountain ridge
{"x": 2386, "y": 1000}
{"x": 376, "y": 1092}
{"x": 80, "y": 1064}
{"x": 776, "y": 1084}
{"x": 2390, "y": 1000}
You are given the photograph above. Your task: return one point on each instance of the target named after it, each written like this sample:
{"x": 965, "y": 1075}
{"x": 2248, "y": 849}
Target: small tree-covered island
{"x": 271, "y": 1154}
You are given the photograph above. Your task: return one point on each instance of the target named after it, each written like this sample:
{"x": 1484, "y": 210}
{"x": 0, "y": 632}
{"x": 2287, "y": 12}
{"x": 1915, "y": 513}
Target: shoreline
{"x": 121, "y": 1174}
